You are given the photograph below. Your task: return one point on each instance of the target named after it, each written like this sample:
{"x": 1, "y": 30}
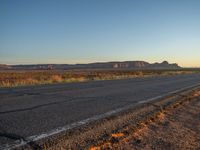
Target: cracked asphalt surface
{"x": 33, "y": 110}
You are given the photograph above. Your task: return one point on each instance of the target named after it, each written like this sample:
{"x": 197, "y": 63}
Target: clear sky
{"x": 82, "y": 31}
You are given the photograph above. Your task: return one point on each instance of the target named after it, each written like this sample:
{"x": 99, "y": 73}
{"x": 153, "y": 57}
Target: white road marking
{"x": 34, "y": 138}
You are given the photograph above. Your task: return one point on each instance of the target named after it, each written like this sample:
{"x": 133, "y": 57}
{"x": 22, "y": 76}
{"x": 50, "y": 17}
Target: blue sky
{"x": 82, "y": 31}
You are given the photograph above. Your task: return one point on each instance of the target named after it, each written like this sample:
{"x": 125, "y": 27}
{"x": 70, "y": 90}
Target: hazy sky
{"x": 81, "y": 31}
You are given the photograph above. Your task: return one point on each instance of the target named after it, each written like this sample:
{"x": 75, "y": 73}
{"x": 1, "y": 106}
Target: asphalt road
{"x": 33, "y": 110}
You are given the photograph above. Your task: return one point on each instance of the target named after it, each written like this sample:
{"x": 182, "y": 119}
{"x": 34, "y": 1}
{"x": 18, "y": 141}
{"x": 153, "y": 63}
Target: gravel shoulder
{"x": 177, "y": 127}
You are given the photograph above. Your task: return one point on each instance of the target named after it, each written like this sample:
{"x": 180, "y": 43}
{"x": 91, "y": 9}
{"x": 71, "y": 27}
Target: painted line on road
{"x": 19, "y": 143}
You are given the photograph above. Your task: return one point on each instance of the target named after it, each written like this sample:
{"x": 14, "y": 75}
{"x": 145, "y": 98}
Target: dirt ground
{"x": 177, "y": 128}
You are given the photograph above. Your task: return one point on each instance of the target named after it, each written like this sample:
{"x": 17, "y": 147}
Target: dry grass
{"x": 21, "y": 78}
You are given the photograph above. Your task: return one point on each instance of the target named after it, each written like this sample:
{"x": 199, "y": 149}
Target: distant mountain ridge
{"x": 98, "y": 65}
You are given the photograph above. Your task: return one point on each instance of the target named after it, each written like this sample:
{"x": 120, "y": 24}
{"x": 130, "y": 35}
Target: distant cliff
{"x": 3, "y": 66}
{"x": 102, "y": 65}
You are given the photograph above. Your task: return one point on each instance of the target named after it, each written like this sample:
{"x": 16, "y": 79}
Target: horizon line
{"x": 91, "y": 62}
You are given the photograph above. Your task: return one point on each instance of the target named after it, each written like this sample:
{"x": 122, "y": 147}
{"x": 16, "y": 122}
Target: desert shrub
{"x": 56, "y": 78}
{"x": 19, "y": 78}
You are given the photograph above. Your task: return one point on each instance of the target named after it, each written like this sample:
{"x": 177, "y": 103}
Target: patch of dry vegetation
{"x": 21, "y": 78}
